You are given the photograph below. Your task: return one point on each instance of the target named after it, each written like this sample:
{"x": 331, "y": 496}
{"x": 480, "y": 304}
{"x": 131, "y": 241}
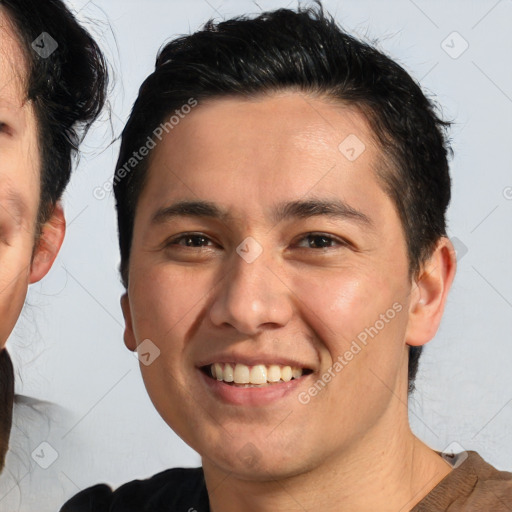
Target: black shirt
{"x": 473, "y": 486}
{"x": 174, "y": 490}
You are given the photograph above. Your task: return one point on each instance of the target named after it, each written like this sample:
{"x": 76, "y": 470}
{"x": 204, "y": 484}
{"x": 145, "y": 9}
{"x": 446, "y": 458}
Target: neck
{"x": 386, "y": 474}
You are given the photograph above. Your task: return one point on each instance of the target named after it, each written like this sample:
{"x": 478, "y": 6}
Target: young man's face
{"x": 21, "y": 260}
{"x": 266, "y": 284}
{"x": 19, "y": 180}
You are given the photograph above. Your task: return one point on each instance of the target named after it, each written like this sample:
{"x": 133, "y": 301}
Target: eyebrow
{"x": 302, "y": 209}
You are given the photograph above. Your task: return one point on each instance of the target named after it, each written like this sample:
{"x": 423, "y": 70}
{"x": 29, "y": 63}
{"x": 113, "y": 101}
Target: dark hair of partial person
{"x": 68, "y": 91}
{"x": 303, "y": 50}
{"x": 6, "y": 402}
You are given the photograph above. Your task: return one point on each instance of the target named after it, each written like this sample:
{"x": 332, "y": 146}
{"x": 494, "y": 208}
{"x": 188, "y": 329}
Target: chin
{"x": 258, "y": 464}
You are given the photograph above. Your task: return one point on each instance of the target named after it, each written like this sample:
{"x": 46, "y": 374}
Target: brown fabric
{"x": 474, "y": 486}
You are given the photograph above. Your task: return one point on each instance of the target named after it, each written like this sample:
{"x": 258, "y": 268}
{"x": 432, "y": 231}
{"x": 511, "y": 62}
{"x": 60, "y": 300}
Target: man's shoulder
{"x": 472, "y": 486}
{"x": 493, "y": 487}
{"x": 169, "y": 490}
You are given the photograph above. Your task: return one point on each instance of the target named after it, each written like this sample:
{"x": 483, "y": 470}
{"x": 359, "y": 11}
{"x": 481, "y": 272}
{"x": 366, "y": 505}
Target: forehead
{"x": 278, "y": 123}
{"x": 277, "y": 146}
{"x": 13, "y": 68}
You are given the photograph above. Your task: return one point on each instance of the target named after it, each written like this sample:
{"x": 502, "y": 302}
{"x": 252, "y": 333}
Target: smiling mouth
{"x": 259, "y": 375}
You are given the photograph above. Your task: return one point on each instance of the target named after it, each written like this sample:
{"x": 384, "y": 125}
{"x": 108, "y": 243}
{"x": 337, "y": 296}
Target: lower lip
{"x": 254, "y": 396}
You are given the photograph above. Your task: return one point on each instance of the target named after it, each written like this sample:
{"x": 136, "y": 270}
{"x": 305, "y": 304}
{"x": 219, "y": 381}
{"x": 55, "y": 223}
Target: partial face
{"x": 265, "y": 254}
{"x": 19, "y": 180}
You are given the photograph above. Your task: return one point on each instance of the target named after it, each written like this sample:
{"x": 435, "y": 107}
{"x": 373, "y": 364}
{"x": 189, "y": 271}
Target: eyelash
{"x": 312, "y": 235}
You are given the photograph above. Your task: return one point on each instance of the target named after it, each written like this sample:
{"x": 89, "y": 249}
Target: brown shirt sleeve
{"x": 474, "y": 486}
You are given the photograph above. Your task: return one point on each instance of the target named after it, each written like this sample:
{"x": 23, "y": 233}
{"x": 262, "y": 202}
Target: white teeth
{"x": 274, "y": 373}
{"x": 286, "y": 373}
{"x": 228, "y": 373}
{"x": 241, "y": 374}
{"x": 258, "y": 374}
{"x": 217, "y": 371}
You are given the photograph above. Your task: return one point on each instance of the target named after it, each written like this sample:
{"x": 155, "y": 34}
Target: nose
{"x": 252, "y": 296}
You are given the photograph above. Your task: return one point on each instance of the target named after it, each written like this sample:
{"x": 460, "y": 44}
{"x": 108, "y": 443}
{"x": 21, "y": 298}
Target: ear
{"x": 48, "y": 245}
{"x": 429, "y": 293}
{"x": 129, "y": 336}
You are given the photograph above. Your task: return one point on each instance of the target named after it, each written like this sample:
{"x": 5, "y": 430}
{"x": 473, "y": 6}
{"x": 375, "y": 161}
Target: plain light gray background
{"x": 68, "y": 343}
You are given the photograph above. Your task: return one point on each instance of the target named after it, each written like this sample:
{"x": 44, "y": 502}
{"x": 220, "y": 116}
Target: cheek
{"x": 360, "y": 323}
{"x": 14, "y": 279}
{"x": 341, "y": 305}
{"x": 358, "y": 317}
{"x": 165, "y": 307}
{"x": 165, "y": 303}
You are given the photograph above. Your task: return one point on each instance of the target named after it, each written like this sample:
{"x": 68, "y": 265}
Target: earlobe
{"x": 129, "y": 336}
{"x": 48, "y": 245}
{"x": 429, "y": 293}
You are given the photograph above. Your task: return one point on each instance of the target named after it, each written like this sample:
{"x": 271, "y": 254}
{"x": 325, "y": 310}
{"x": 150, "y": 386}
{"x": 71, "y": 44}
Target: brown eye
{"x": 189, "y": 240}
{"x": 320, "y": 241}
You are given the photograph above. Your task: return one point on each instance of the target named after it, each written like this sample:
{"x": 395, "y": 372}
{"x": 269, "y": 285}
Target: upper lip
{"x": 254, "y": 359}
